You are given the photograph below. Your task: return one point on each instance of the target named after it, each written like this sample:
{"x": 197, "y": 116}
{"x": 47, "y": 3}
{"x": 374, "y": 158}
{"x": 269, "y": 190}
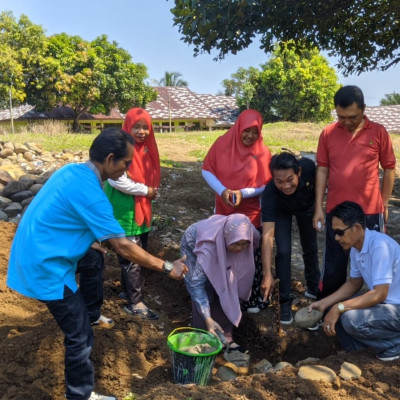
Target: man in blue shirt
{"x": 372, "y": 318}
{"x": 70, "y": 213}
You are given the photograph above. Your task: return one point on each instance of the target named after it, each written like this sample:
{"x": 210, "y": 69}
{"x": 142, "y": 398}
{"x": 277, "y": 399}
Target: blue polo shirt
{"x": 69, "y": 213}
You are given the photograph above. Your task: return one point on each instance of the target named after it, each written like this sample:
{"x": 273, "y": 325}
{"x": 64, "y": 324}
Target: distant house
{"x": 175, "y": 106}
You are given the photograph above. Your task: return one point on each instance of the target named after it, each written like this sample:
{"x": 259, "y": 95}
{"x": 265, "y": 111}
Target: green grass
{"x": 177, "y": 147}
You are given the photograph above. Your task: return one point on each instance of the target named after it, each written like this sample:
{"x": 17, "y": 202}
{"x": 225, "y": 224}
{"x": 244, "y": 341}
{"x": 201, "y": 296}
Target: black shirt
{"x": 274, "y": 201}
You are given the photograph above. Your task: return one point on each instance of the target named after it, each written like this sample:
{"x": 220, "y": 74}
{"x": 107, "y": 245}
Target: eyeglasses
{"x": 340, "y": 232}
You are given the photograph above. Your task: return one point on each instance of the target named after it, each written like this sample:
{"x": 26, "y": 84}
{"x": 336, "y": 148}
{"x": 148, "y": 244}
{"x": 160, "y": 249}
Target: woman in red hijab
{"x": 131, "y": 197}
{"x": 237, "y": 169}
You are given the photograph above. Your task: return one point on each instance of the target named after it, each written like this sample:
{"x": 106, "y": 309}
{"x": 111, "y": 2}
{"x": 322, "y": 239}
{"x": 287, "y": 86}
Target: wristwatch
{"x": 341, "y": 307}
{"x": 167, "y": 267}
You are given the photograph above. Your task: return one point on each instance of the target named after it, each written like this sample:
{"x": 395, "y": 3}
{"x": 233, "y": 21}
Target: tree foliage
{"x": 242, "y": 85}
{"x": 390, "y": 99}
{"x": 172, "y": 79}
{"x": 291, "y": 86}
{"x": 364, "y": 34}
{"x": 87, "y": 76}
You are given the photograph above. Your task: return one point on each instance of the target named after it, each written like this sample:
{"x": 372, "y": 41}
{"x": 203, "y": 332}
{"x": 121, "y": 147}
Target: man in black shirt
{"x": 290, "y": 192}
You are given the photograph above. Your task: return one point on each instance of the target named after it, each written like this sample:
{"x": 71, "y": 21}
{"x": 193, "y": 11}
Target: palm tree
{"x": 172, "y": 79}
{"x": 390, "y": 99}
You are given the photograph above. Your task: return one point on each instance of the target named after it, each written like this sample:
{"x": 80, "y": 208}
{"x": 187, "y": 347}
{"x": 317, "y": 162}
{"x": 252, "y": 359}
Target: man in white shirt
{"x": 370, "y": 319}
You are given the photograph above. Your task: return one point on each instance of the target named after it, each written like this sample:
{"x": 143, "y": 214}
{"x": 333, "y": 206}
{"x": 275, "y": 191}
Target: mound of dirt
{"x": 133, "y": 356}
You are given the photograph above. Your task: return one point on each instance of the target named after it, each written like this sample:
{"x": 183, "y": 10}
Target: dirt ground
{"x": 133, "y": 356}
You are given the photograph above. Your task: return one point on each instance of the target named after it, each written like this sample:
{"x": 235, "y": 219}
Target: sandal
{"x": 236, "y": 347}
{"x": 145, "y": 313}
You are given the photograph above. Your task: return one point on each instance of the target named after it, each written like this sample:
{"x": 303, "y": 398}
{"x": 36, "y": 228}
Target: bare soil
{"x": 134, "y": 357}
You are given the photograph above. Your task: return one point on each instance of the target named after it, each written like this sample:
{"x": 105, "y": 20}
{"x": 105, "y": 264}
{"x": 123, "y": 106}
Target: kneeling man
{"x": 370, "y": 319}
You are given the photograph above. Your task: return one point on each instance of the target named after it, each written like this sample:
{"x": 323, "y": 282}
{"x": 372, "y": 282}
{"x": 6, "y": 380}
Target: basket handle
{"x": 189, "y": 328}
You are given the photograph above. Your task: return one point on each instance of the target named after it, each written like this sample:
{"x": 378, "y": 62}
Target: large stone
{"x": 3, "y": 216}
{"x": 9, "y": 145}
{"x": 42, "y": 178}
{"x": 20, "y": 148}
{"x": 281, "y": 365}
{"x": 5, "y": 177}
{"x": 35, "y": 147}
{"x": 13, "y": 209}
{"x": 15, "y": 187}
{"x": 349, "y": 371}
{"x": 317, "y": 373}
{"x": 15, "y": 171}
{"x": 20, "y": 196}
{"x": 226, "y": 374}
{"x": 306, "y": 319}
{"x": 262, "y": 367}
{"x": 35, "y": 188}
{"x": 29, "y": 156}
{"x": 4, "y": 201}
{"x": 6, "y": 153}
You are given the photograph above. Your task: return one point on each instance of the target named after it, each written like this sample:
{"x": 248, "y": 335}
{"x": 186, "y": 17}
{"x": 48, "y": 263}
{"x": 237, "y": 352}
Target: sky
{"x": 145, "y": 29}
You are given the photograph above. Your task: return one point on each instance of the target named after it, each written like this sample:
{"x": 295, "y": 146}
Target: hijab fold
{"x": 231, "y": 274}
{"x": 145, "y": 166}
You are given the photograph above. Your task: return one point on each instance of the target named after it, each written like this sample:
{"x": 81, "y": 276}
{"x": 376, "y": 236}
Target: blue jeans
{"x": 377, "y": 328}
{"x": 72, "y": 317}
{"x": 283, "y": 241}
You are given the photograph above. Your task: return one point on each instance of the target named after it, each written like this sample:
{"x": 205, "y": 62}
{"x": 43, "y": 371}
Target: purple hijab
{"x": 231, "y": 274}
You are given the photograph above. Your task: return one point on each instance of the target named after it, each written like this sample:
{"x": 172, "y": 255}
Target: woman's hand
{"x": 152, "y": 193}
{"x": 212, "y": 326}
{"x": 232, "y": 198}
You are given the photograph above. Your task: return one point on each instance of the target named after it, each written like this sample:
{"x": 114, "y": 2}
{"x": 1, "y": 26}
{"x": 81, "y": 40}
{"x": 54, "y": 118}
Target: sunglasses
{"x": 340, "y": 232}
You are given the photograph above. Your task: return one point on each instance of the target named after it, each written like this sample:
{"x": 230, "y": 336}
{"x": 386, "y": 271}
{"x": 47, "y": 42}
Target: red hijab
{"x": 145, "y": 166}
{"x": 238, "y": 166}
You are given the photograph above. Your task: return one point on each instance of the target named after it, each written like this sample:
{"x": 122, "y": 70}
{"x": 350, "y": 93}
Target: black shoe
{"x": 286, "y": 313}
{"x": 145, "y": 313}
{"x": 123, "y": 295}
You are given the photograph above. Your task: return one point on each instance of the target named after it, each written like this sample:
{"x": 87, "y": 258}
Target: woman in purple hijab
{"x": 220, "y": 256}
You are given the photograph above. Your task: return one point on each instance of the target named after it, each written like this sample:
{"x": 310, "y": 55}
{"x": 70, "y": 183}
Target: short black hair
{"x": 284, "y": 160}
{"x": 349, "y": 213}
{"x": 110, "y": 140}
{"x": 347, "y": 95}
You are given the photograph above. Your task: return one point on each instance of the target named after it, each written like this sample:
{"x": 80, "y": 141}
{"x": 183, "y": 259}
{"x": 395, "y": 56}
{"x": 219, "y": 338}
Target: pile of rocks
{"x": 24, "y": 168}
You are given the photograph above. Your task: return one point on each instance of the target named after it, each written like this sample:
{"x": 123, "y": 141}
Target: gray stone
{"x": 4, "y": 201}
{"x": 226, "y": 374}
{"x": 13, "y": 209}
{"x": 349, "y": 371}
{"x": 15, "y": 187}
{"x": 3, "y": 216}
{"x": 317, "y": 373}
{"x": 35, "y": 188}
{"x": 307, "y": 319}
{"x": 26, "y": 202}
{"x": 20, "y": 196}
{"x": 281, "y": 365}
{"x": 42, "y": 178}
{"x": 262, "y": 367}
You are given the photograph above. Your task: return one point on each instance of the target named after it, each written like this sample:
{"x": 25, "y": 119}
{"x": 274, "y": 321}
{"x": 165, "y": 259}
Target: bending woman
{"x": 219, "y": 255}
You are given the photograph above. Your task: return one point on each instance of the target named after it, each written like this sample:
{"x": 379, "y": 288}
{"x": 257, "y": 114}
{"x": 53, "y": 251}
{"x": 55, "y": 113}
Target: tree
{"x": 295, "y": 86}
{"x": 172, "y": 79}
{"x": 364, "y": 34}
{"x": 242, "y": 85}
{"x": 390, "y": 99}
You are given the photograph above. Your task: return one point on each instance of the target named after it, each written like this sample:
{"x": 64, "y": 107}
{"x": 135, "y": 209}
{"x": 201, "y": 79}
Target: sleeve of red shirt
{"x": 387, "y": 158}
{"x": 322, "y": 153}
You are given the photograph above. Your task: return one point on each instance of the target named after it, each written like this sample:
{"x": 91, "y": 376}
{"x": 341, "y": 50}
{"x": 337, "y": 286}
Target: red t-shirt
{"x": 353, "y": 164}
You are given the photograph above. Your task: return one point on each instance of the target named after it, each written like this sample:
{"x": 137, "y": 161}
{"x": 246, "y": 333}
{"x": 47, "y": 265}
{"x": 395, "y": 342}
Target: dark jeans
{"x": 283, "y": 241}
{"x": 73, "y": 319}
{"x": 335, "y": 259}
{"x": 90, "y": 269}
{"x": 131, "y": 274}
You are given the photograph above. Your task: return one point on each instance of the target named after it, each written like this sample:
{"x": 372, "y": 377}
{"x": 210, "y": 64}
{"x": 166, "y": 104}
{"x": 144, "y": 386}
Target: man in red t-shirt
{"x": 348, "y": 157}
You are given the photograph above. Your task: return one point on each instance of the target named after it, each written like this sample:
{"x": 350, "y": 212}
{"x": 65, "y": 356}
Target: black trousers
{"x": 131, "y": 274}
{"x": 283, "y": 241}
{"x": 335, "y": 259}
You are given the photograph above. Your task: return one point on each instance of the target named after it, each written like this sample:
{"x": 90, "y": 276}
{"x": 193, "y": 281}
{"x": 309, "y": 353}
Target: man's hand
{"x": 330, "y": 320}
{"x": 152, "y": 193}
{"x": 180, "y": 269}
{"x": 319, "y": 220}
{"x": 267, "y": 285}
{"x": 97, "y": 246}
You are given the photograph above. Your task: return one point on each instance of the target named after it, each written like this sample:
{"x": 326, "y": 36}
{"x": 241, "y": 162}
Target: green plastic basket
{"x": 188, "y": 367}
